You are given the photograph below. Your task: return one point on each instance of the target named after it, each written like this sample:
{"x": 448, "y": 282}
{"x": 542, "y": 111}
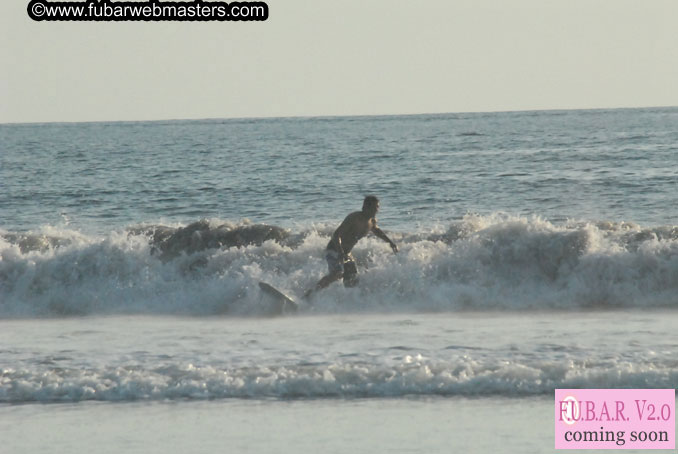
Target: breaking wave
{"x": 415, "y": 375}
{"x": 495, "y": 262}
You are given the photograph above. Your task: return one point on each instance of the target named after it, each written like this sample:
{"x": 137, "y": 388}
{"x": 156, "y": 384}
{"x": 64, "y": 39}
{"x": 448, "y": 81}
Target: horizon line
{"x": 283, "y": 117}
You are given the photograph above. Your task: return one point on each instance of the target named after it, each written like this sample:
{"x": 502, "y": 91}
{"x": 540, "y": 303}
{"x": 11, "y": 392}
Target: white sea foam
{"x": 483, "y": 262}
{"x": 464, "y": 375}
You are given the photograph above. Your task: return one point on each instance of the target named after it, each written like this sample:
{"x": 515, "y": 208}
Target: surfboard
{"x": 283, "y": 303}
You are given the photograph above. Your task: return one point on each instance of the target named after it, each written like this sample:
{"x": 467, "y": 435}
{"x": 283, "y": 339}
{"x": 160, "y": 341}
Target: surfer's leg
{"x": 324, "y": 282}
{"x": 336, "y": 272}
{"x": 327, "y": 280}
{"x": 350, "y": 273}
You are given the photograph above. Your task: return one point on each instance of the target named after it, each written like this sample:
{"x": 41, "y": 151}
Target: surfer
{"x": 340, "y": 261}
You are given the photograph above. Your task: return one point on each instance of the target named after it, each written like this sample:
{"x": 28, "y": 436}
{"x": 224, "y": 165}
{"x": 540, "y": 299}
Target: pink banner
{"x": 615, "y": 418}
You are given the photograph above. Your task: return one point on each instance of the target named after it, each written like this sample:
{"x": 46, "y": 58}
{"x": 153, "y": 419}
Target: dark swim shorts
{"x": 347, "y": 267}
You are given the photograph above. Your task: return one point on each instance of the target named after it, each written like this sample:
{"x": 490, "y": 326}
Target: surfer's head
{"x": 371, "y": 205}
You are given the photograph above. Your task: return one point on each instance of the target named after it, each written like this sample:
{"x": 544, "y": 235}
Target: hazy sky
{"x": 344, "y": 57}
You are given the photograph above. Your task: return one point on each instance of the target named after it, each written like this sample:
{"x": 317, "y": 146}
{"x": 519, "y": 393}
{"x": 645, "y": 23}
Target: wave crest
{"x": 413, "y": 375}
{"x": 212, "y": 267}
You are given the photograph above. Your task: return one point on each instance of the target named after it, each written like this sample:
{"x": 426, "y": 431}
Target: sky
{"x": 318, "y": 58}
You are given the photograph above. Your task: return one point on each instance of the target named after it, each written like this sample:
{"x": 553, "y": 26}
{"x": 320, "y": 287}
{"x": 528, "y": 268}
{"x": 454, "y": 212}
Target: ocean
{"x": 538, "y": 250}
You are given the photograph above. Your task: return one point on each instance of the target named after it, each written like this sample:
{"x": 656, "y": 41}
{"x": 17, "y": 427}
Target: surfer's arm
{"x": 336, "y": 239}
{"x": 380, "y": 234}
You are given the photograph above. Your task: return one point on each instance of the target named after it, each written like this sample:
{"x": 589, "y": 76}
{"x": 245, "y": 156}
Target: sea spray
{"x": 212, "y": 268}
